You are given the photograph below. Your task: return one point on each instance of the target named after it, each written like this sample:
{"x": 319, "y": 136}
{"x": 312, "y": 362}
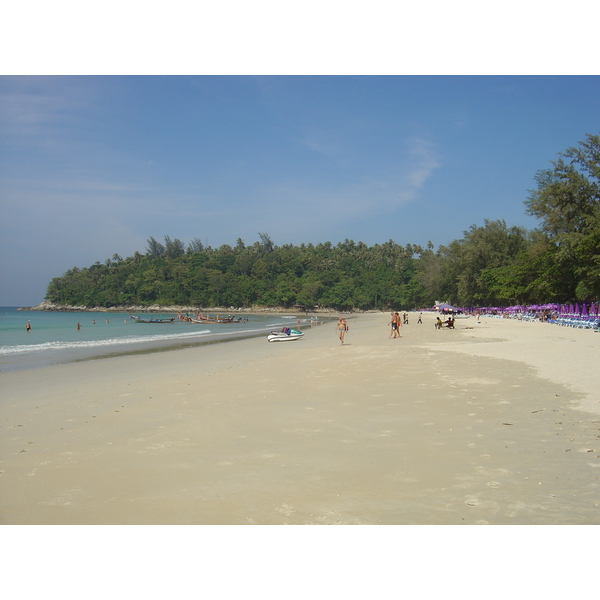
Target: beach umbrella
{"x": 584, "y": 312}
{"x": 445, "y": 307}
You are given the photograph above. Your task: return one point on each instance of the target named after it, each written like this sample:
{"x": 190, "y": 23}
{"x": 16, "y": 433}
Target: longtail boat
{"x": 140, "y": 320}
{"x": 216, "y": 319}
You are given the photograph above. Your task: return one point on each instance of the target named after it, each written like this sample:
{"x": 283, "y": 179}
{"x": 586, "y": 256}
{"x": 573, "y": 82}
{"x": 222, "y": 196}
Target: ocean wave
{"x": 61, "y": 345}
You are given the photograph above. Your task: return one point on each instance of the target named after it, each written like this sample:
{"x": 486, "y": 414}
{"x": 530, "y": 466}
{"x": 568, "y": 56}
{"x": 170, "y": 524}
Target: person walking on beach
{"x": 419, "y": 320}
{"x": 396, "y": 323}
{"x": 393, "y": 324}
{"x": 341, "y": 328}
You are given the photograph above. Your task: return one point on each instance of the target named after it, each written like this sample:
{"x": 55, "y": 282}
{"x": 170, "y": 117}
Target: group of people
{"x": 449, "y": 322}
{"x": 396, "y": 323}
{"x": 78, "y": 326}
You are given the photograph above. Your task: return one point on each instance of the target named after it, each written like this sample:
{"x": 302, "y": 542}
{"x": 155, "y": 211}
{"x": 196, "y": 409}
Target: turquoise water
{"x": 54, "y": 337}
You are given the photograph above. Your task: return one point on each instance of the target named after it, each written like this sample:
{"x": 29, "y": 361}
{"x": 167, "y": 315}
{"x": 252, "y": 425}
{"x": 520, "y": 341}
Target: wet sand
{"x": 491, "y": 423}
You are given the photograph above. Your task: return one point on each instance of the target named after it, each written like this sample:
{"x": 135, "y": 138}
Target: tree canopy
{"x": 491, "y": 265}
{"x": 567, "y": 202}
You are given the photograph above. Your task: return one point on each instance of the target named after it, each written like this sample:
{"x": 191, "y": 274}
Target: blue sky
{"x": 91, "y": 166}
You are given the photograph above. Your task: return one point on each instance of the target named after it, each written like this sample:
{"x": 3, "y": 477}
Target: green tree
{"x": 154, "y": 248}
{"x": 567, "y": 203}
{"x": 466, "y": 260}
{"x": 195, "y": 246}
{"x": 266, "y": 243}
{"x": 174, "y": 248}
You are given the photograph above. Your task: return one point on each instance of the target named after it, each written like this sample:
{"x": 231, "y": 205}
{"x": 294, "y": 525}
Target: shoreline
{"x": 62, "y": 348}
{"x": 46, "y": 306}
{"x": 438, "y": 427}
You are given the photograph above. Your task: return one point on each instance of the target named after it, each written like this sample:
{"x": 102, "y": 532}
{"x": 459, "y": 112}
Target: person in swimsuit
{"x": 393, "y": 324}
{"x": 341, "y": 328}
{"x": 398, "y": 325}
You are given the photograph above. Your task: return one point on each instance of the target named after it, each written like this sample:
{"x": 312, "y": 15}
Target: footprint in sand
{"x": 486, "y": 456}
{"x": 493, "y": 484}
{"x": 286, "y": 509}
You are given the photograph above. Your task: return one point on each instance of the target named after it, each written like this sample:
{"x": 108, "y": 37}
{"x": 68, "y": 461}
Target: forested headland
{"x": 491, "y": 265}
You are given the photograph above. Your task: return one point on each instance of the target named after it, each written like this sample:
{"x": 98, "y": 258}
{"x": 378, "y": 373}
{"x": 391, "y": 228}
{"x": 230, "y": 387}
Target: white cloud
{"x": 424, "y": 161}
{"x": 308, "y": 207}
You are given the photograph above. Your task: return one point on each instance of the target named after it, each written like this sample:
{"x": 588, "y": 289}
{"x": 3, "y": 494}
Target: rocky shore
{"x": 155, "y": 308}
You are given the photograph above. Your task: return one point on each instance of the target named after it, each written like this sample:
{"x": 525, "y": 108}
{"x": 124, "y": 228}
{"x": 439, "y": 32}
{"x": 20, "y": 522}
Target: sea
{"x": 55, "y": 338}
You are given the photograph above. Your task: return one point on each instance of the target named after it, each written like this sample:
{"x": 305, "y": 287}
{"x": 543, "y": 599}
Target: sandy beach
{"x": 490, "y": 423}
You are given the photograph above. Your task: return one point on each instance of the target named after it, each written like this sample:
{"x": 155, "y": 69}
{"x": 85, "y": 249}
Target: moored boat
{"x": 140, "y": 320}
{"x": 200, "y": 318}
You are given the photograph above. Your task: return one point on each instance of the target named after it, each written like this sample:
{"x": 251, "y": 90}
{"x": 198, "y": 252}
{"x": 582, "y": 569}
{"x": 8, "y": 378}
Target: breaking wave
{"x": 124, "y": 341}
